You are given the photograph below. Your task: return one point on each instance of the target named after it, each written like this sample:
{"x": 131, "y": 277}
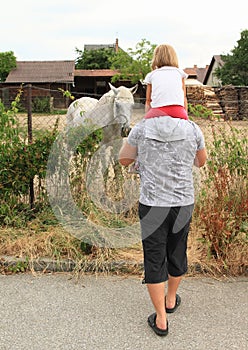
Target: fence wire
{"x": 41, "y": 109}
{"x": 47, "y": 106}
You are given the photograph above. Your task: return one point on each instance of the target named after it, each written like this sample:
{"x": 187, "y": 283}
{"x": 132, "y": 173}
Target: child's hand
{"x": 147, "y": 107}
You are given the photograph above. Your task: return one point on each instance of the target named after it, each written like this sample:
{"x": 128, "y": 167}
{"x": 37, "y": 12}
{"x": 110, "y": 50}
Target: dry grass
{"x": 54, "y": 243}
{"x": 58, "y": 245}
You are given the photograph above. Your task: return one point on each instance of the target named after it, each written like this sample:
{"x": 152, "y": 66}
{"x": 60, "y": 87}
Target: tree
{"x": 94, "y": 59}
{"x": 235, "y": 68}
{"x": 7, "y": 63}
{"x": 133, "y": 64}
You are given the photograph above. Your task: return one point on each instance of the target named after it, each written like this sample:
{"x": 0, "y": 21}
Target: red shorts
{"x": 174, "y": 111}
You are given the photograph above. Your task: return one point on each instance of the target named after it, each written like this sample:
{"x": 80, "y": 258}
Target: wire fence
{"x": 40, "y": 108}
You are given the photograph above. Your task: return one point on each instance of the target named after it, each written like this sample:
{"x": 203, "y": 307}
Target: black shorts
{"x": 164, "y": 233}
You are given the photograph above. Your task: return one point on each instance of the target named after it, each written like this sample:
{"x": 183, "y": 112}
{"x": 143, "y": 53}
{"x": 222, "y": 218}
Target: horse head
{"x": 114, "y": 107}
{"x": 123, "y": 106}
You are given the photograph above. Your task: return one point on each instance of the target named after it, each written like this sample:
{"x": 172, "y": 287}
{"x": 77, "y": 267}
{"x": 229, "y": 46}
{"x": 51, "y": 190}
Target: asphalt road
{"x": 55, "y": 311}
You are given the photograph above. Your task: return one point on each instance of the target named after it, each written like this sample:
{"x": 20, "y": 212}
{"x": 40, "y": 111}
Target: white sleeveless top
{"x": 166, "y": 86}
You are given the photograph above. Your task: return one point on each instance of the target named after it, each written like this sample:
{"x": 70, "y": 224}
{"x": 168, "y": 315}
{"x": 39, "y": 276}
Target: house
{"x": 95, "y": 82}
{"x": 210, "y": 78}
{"x": 114, "y": 46}
{"x": 46, "y": 78}
{"x": 92, "y": 81}
{"x": 195, "y": 75}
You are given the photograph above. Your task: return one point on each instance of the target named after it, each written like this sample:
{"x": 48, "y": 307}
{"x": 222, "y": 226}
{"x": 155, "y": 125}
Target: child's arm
{"x": 148, "y": 97}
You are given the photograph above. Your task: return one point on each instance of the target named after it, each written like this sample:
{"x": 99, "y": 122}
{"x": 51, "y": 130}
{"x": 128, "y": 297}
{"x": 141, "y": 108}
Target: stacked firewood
{"x": 205, "y": 96}
{"x": 229, "y": 100}
{"x": 213, "y": 102}
{"x": 243, "y": 102}
{"x": 195, "y": 95}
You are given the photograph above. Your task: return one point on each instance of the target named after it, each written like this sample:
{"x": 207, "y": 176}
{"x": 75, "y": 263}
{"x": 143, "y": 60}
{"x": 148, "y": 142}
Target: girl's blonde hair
{"x": 164, "y": 55}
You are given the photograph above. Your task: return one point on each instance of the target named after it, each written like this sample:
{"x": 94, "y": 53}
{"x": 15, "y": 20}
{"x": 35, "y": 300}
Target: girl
{"x": 166, "y": 92}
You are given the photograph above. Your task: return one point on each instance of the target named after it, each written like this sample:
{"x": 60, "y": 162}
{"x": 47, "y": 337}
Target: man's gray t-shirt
{"x": 166, "y": 151}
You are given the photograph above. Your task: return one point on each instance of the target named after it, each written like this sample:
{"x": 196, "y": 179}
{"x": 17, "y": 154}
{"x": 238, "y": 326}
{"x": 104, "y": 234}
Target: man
{"x": 165, "y": 150}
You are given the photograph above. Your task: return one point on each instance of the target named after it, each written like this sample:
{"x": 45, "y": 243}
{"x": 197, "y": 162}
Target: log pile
{"x": 213, "y": 102}
{"x": 243, "y": 103}
{"x": 195, "y": 95}
{"x": 205, "y": 96}
{"x": 229, "y": 100}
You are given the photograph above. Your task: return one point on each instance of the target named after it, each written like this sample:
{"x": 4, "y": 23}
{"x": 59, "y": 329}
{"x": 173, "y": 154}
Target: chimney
{"x": 116, "y": 45}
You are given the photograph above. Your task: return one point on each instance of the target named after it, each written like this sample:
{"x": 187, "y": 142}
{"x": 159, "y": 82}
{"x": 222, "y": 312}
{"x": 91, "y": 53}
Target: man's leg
{"x": 154, "y": 237}
{"x": 177, "y": 251}
{"x": 157, "y": 295}
{"x": 173, "y": 284}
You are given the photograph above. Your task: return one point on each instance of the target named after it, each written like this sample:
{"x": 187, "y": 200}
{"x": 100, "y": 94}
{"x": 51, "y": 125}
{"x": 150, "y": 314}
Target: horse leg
{"x": 113, "y": 178}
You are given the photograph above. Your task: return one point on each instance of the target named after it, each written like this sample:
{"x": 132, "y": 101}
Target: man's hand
{"x": 127, "y": 154}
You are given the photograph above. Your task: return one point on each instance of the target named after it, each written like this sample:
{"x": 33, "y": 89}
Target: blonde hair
{"x": 164, "y": 55}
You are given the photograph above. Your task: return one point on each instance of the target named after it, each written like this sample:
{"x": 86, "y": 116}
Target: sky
{"x": 38, "y": 30}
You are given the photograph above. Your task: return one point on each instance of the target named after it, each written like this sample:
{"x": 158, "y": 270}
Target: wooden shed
{"x": 45, "y": 77}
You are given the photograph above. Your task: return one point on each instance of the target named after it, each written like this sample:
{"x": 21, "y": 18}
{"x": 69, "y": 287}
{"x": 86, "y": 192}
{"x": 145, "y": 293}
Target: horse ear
{"x": 134, "y": 89}
{"x": 113, "y": 88}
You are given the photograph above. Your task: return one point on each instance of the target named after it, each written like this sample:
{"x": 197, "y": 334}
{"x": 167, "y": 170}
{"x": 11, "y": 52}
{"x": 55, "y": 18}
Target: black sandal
{"x": 178, "y": 302}
{"x": 152, "y": 323}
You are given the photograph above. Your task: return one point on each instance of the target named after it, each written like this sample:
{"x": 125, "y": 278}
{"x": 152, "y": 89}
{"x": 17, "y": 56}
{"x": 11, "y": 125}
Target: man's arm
{"x": 200, "y": 158}
{"x": 127, "y": 154}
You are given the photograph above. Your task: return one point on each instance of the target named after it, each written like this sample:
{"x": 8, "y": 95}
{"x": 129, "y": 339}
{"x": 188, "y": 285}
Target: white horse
{"x": 112, "y": 111}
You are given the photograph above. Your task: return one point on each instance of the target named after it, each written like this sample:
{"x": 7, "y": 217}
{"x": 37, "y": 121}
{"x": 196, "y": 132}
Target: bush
{"x": 223, "y": 204}
{"x": 41, "y": 105}
{"x": 200, "y": 111}
{"x": 20, "y": 162}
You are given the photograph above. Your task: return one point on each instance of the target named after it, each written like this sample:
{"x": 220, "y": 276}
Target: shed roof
{"x": 95, "y": 72}
{"x": 98, "y": 46}
{"x": 114, "y": 46}
{"x": 42, "y": 72}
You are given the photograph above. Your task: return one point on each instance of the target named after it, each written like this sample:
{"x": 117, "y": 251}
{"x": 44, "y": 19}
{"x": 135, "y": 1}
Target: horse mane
{"x": 107, "y": 98}
{"x": 123, "y": 94}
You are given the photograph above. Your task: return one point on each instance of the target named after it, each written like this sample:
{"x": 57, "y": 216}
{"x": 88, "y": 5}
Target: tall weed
{"x": 223, "y": 204}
